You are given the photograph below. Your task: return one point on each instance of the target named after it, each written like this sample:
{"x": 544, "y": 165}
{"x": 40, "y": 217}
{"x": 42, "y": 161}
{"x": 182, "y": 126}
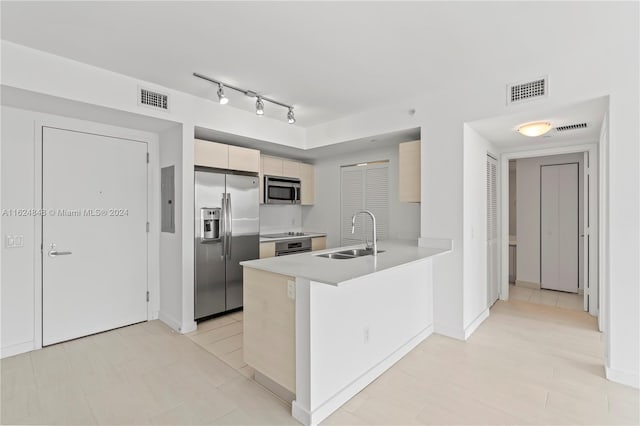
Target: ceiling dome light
{"x": 537, "y": 128}
{"x": 259, "y": 106}
{"x": 290, "y": 116}
{"x": 221, "y": 97}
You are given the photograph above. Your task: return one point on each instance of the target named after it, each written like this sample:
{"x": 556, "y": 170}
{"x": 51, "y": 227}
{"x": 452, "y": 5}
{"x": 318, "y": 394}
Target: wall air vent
{"x": 571, "y": 127}
{"x": 153, "y": 99}
{"x": 526, "y": 91}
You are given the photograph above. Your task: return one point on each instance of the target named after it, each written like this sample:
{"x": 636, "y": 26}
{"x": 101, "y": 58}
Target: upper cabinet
{"x": 221, "y": 156}
{"x": 210, "y": 154}
{"x": 275, "y": 166}
{"x": 271, "y": 166}
{"x": 308, "y": 184}
{"x": 244, "y": 159}
{"x": 409, "y": 172}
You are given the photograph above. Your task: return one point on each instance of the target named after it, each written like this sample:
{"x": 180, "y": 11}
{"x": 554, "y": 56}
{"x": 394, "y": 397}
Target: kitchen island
{"x": 318, "y": 330}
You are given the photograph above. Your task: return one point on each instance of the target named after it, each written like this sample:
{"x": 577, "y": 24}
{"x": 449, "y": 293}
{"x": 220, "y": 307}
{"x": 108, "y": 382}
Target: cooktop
{"x": 285, "y": 234}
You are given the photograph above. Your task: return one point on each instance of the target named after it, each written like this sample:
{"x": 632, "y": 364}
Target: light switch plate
{"x": 13, "y": 241}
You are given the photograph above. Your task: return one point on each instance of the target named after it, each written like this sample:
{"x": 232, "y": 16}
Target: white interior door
{"x": 559, "y": 227}
{"x": 94, "y": 257}
{"x": 493, "y": 283}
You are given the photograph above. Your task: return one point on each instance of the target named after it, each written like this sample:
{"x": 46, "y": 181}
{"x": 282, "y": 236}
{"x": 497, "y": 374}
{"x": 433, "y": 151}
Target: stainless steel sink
{"x": 348, "y": 254}
{"x": 335, "y": 256}
{"x": 358, "y": 252}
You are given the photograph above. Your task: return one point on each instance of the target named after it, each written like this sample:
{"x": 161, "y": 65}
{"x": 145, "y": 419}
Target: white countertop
{"x": 292, "y": 237}
{"x": 339, "y": 271}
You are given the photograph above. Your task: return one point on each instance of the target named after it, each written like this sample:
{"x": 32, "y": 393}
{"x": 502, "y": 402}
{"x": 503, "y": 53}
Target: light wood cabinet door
{"x": 269, "y": 322}
{"x": 244, "y": 159}
{"x": 267, "y": 250}
{"x": 308, "y": 184}
{"x": 291, "y": 168}
{"x": 261, "y": 178}
{"x": 318, "y": 243}
{"x": 409, "y": 172}
{"x": 271, "y": 166}
{"x": 210, "y": 154}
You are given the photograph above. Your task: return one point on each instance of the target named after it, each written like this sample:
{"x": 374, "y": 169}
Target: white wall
{"x": 18, "y": 265}
{"x": 476, "y": 149}
{"x": 528, "y": 214}
{"x": 171, "y": 243}
{"x": 21, "y": 285}
{"x": 324, "y": 215}
{"x": 278, "y": 218}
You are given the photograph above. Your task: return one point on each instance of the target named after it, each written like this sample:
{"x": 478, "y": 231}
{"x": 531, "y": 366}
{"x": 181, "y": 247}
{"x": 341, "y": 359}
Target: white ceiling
{"x": 329, "y": 59}
{"x": 502, "y": 131}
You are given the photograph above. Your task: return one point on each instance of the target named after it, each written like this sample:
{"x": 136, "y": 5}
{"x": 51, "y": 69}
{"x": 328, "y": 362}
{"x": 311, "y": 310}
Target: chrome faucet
{"x": 373, "y": 247}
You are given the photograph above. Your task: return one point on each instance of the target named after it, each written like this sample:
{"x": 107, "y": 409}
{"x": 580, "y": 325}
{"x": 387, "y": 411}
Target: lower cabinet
{"x": 318, "y": 243}
{"x": 267, "y": 250}
{"x": 269, "y": 326}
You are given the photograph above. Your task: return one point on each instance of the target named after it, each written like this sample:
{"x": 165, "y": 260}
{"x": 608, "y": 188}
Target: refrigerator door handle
{"x": 229, "y": 218}
{"x": 223, "y": 225}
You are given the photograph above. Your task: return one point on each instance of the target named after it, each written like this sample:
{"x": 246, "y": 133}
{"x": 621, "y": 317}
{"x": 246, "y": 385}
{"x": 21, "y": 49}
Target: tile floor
{"x": 526, "y": 364}
{"x": 547, "y": 297}
{"x": 222, "y": 336}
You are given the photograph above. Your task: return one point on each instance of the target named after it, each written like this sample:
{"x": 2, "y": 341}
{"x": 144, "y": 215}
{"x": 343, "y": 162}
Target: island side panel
{"x": 360, "y": 328}
{"x": 269, "y": 326}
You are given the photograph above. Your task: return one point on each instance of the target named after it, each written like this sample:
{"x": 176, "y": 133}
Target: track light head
{"x": 290, "y": 116}
{"x": 259, "y": 106}
{"x": 221, "y": 97}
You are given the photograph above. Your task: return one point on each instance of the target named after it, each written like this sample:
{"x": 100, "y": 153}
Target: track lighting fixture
{"x": 221, "y": 97}
{"x": 250, "y": 93}
{"x": 259, "y": 106}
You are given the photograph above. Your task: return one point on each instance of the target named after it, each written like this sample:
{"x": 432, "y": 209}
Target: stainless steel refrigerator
{"x": 226, "y": 233}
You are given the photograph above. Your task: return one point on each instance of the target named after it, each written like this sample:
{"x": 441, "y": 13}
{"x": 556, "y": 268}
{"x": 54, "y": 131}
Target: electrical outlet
{"x": 366, "y": 334}
{"x": 291, "y": 290}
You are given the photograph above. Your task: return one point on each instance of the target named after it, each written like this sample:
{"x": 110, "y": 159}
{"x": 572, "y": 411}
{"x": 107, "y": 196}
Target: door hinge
{"x": 147, "y": 158}
{"x": 147, "y": 296}
{"x": 147, "y": 226}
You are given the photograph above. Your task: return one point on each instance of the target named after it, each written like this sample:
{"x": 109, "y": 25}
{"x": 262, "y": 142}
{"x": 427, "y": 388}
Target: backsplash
{"x": 278, "y": 218}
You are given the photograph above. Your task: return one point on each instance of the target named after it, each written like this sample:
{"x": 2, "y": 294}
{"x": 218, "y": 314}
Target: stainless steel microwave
{"x": 281, "y": 190}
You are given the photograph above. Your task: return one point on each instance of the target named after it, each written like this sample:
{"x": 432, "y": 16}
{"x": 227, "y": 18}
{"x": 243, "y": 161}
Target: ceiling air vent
{"x": 153, "y": 99}
{"x": 571, "y": 127}
{"x": 529, "y": 90}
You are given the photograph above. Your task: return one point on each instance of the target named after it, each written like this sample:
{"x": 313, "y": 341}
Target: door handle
{"x": 54, "y": 253}
{"x": 223, "y": 226}
{"x": 230, "y": 218}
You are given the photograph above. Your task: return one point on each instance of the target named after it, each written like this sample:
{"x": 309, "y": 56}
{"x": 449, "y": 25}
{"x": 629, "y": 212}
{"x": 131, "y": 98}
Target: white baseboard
{"x": 171, "y": 322}
{"x": 188, "y": 327}
{"x": 622, "y": 377}
{"x": 19, "y": 348}
{"x": 475, "y": 323}
{"x": 336, "y": 401}
{"x": 449, "y": 331}
{"x": 438, "y": 243}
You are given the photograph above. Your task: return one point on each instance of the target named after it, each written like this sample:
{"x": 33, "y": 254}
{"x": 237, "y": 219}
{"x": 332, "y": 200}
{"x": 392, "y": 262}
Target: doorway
{"x": 94, "y": 233}
{"x": 560, "y": 266}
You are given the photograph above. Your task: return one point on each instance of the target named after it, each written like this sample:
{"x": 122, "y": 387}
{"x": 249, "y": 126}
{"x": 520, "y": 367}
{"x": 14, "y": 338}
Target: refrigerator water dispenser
{"x": 210, "y": 224}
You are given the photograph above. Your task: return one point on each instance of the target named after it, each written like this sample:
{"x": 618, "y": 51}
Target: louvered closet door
{"x": 492, "y": 231}
{"x": 364, "y": 188}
